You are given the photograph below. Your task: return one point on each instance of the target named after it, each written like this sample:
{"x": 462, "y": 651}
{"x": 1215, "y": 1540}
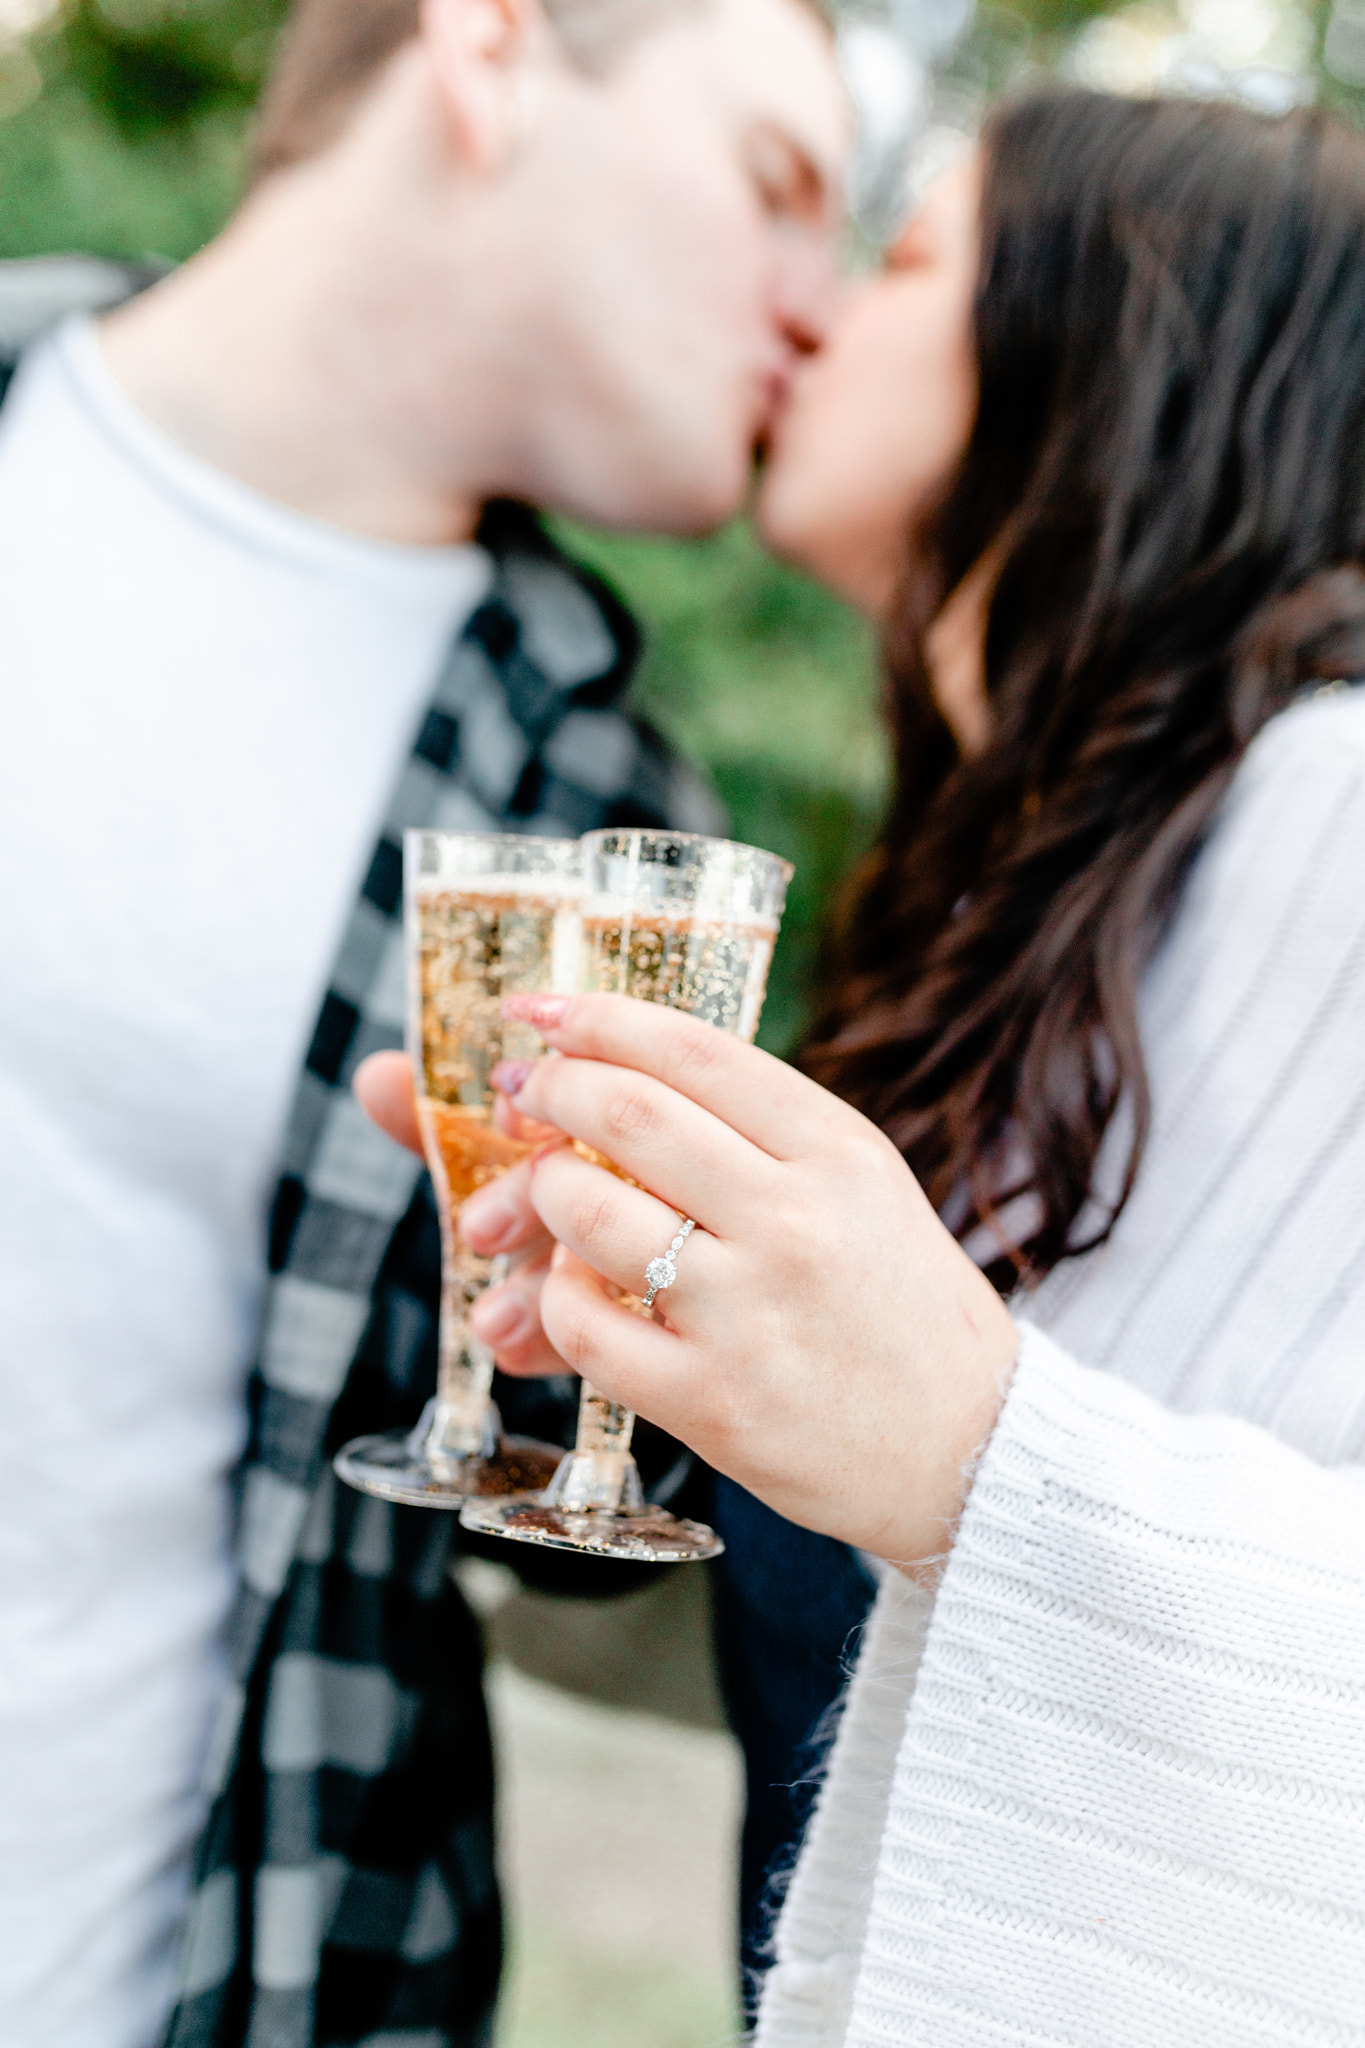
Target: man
{"x": 256, "y": 620}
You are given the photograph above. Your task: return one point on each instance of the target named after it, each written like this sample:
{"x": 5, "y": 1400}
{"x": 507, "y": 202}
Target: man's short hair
{"x": 333, "y": 50}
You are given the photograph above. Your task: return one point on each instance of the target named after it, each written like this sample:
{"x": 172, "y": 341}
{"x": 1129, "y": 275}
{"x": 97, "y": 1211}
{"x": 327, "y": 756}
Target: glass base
{"x": 652, "y": 1536}
{"x": 393, "y": 1468}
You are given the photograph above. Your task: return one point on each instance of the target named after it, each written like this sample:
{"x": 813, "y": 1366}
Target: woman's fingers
{"x": 745, "y": 1091}
{"x": 752, "y": 1093}
{"x": 617, "y": 1230}
{"x": 630, "y": 1358}
{"x": 383, "y": 1087}
{"x": 663, "y": 1140}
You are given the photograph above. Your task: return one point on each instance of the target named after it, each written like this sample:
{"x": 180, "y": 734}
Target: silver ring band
{"x": 661, "y": 1273}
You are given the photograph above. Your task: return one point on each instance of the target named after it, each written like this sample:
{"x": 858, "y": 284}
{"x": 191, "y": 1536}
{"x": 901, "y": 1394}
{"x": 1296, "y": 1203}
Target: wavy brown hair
{"x": 1167, "y": 477}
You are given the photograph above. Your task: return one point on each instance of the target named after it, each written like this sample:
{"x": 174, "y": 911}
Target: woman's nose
{"x": 809, "y": 298}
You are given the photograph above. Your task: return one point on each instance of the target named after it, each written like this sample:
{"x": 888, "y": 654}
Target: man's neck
{"x": 308, "y": 349}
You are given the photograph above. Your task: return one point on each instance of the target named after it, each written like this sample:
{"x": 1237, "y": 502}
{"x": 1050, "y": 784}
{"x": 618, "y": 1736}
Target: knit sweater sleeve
{"x": 1128, "y": 1806}
{"x": 1123, "y": 1804}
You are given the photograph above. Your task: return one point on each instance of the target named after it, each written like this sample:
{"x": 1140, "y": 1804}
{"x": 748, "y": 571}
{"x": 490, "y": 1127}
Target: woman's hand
{"x": 826, "y": 1342}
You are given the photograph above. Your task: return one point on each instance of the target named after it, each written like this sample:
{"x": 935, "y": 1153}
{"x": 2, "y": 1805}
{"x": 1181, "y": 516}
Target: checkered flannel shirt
{"x": 344, "y": 1888}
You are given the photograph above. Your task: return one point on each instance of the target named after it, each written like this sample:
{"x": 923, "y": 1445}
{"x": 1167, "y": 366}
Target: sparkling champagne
{"x": 715, "y": 970}
{"x": 463, "y": 1149}
{"x": 486, "y": 915}
{"x": 476, "y": 946}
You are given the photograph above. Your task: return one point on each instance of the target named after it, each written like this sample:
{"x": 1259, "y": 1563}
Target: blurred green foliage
{"x": 122, "y": 122}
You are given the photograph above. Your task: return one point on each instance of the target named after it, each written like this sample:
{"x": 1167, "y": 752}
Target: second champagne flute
{"x": 668, "y": 917}
{"x": 487, "y": 915}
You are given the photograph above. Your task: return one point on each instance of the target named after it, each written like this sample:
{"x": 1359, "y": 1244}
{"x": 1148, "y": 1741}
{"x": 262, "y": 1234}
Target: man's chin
{"x": 664, "y": 485}
{"x": 742, "y": 498}
{"x": 699, "y": 505}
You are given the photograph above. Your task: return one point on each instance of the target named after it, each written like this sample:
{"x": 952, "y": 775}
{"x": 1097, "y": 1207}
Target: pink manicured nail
{"x": 497, "y": 1318}
{"x": 509, "y": 1077}
{"x": 542, "y": 1011}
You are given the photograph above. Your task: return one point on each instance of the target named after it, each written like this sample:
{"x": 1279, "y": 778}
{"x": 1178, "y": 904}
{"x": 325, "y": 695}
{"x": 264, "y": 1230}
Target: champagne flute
{"x": 668, "y": 917}
{"x": 486, "y": 915}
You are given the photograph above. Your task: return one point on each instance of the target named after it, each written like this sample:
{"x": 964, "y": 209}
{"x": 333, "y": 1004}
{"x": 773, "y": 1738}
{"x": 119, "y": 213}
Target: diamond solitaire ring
{"x": 661, "y": 1273}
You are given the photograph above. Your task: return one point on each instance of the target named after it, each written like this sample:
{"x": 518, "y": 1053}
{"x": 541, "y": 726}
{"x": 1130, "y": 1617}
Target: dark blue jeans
{"x": 788, "y": 1611}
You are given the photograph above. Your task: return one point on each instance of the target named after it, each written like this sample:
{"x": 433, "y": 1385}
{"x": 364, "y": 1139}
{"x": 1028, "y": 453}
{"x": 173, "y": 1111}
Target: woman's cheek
{"x": 824, "y": 508}
{"x": 876, "y": 424}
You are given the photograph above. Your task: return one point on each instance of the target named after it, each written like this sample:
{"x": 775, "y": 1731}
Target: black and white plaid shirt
{"x": 344, "y": 1884}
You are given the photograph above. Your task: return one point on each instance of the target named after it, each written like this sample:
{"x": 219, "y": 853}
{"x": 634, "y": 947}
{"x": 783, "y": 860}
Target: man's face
{"x": 684, "y": 215}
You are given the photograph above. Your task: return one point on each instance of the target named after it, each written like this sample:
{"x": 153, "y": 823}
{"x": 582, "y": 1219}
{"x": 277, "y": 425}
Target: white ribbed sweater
{"x": 1105, "y": 1787}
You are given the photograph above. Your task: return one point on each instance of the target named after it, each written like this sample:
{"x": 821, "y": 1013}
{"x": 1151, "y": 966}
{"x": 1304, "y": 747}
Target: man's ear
{"x": 486, "y": 58}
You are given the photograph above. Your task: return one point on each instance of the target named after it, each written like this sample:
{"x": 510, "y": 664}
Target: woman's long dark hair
{"x": 1166, "y": 477}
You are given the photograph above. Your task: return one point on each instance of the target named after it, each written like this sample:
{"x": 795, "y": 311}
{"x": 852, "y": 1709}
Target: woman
{"x": 1096, "y": 1045}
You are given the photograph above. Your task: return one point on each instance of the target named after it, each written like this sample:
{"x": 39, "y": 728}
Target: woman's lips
{"x": 777, "y": 391}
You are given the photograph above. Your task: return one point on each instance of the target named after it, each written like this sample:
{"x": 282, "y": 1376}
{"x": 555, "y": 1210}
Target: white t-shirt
{"x": 206, "y": 701}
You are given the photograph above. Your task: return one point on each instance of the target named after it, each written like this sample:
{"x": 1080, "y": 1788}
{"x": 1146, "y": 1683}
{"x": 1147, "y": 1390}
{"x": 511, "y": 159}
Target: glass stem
{"x": 604, "y": 1427}
{"x": 599, "y": 1475}
{"x": 462, "y": 1421}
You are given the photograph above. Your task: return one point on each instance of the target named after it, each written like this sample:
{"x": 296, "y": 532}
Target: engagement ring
{"x": 661, "y": 1273}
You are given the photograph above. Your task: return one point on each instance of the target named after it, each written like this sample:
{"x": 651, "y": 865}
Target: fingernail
{"x": 490, "y": 1219}
{"x": 509, "y": 1077}
{"x": 542, "y": 1011}
{"x": 497, "y": 1318}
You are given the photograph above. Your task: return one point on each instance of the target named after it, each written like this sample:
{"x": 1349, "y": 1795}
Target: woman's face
{"x": 880, "y": 417}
